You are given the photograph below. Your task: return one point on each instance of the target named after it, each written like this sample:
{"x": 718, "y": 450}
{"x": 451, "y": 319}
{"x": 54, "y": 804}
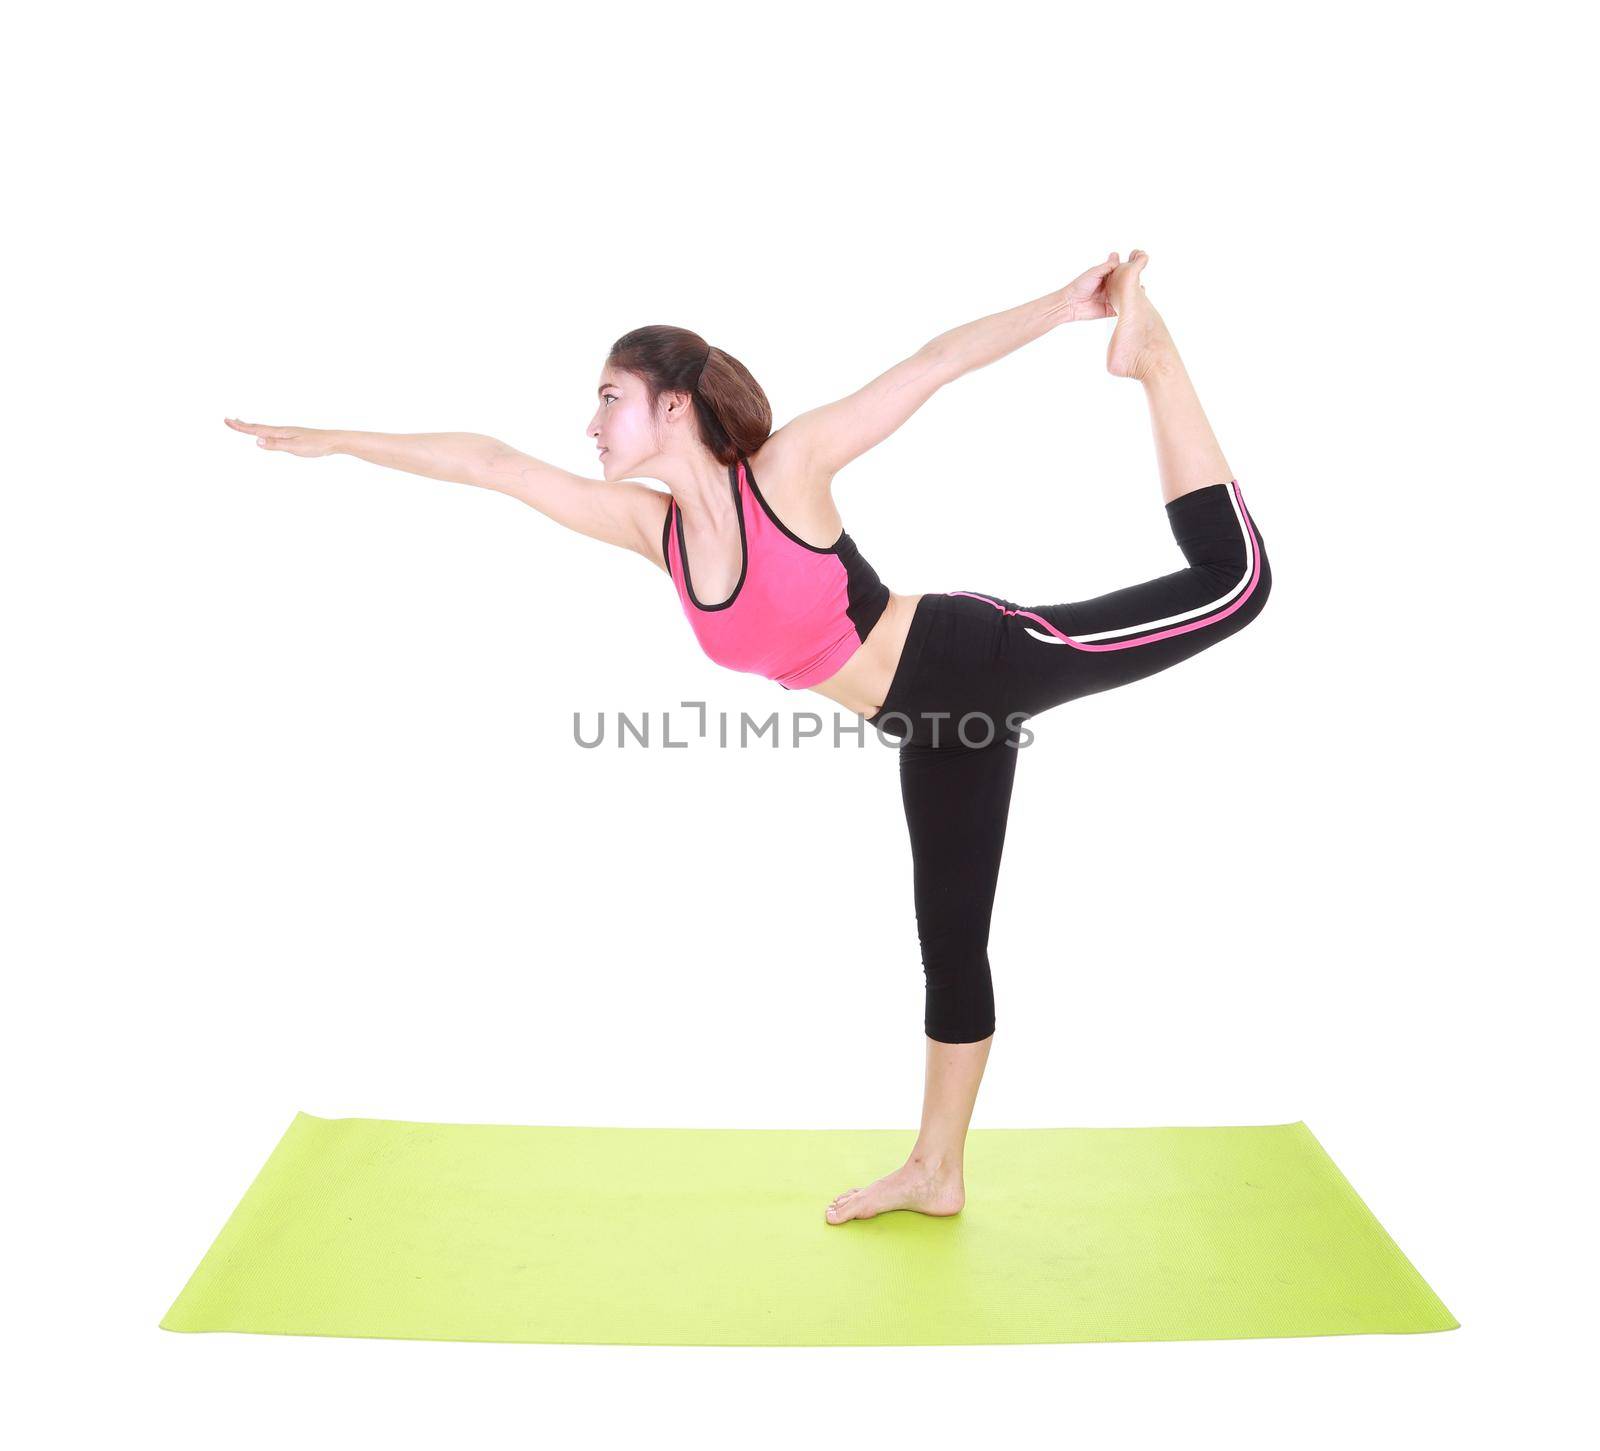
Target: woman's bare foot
{"x": 1141, "y": 343}
{"x": 922, "y": 1185}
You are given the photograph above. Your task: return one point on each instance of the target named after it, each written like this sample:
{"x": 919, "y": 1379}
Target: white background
{"x": 295, "y": 816}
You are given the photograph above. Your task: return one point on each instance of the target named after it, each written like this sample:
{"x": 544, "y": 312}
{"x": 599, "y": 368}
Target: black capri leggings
{"x": 976, "y": 667}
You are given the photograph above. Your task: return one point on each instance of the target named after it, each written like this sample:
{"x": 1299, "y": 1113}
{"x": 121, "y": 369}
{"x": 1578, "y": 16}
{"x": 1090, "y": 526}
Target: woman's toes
{"x": 843, "y": 1207}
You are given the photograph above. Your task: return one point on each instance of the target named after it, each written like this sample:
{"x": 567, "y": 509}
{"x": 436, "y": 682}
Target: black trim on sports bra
{"x": 744, "y": 548}
{"x": 761, "y": 498}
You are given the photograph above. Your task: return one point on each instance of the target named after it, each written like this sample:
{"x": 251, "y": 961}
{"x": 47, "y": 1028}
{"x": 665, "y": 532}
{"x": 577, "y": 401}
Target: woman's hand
{"x": 1086, "y": 295}
{"x": 301, "y": 442}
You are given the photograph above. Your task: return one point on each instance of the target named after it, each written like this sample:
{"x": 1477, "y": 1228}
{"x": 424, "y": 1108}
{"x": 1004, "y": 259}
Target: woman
{"x": 771, "y": 583}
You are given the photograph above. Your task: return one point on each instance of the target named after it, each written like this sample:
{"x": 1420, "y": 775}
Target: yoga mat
{"x": 640, "y": 1236}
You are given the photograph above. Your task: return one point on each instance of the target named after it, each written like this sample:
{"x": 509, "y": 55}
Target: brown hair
{"x": 734, "y": 416}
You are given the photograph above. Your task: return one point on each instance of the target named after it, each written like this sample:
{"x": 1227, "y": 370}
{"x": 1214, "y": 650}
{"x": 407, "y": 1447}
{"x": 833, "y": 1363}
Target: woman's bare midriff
{"x": 863, "y": 681}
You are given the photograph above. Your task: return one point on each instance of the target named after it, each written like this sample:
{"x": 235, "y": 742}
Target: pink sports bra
{"x": 797, "y": 612}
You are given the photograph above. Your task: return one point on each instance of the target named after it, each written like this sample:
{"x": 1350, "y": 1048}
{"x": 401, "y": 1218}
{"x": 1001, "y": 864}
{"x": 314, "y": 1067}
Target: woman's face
{"x": 623, "y": 427}
{"x": 631, "y": 436}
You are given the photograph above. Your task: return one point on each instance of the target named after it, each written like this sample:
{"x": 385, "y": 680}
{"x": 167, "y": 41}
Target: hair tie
{"x": 699, "y": 382}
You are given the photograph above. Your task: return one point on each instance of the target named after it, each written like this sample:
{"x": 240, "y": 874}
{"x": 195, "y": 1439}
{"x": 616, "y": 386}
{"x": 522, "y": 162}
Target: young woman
{"x": 772, "y": 584}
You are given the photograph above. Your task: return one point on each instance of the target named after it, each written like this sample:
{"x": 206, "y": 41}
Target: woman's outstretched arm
{"x": 623, "y": 513}
{"x": 830, "y": 436}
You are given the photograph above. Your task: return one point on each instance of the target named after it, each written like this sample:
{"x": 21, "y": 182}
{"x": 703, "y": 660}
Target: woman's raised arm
{"x": 623, "y": 513}
{"x": 830, "y": 436}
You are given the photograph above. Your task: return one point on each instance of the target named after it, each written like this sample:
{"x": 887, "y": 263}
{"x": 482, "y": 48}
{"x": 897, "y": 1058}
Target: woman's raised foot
{"x": 1140, "y": 344}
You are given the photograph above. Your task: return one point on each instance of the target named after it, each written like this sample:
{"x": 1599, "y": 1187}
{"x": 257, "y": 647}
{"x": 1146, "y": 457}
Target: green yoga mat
{"x": 634, "y": 1236}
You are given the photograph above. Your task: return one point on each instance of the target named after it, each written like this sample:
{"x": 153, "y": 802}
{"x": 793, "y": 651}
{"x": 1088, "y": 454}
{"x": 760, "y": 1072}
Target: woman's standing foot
{"x": 926, "y": 1186}
{"x": 1141, "y": 344}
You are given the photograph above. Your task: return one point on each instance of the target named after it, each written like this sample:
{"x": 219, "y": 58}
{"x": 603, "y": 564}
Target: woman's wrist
{"x": 1066, "y": 307}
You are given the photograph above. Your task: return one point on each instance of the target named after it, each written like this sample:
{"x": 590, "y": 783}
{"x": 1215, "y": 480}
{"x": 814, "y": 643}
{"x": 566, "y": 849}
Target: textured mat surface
{"x": 376, "y": 1227}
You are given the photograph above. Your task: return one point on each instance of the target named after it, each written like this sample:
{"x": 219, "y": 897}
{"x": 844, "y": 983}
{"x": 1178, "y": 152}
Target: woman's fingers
{"x": 263, "y": 430}
{"x": 1087, "y": 288}
{"x": 271, "y": 428}
{"x": 301, "y": 442}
